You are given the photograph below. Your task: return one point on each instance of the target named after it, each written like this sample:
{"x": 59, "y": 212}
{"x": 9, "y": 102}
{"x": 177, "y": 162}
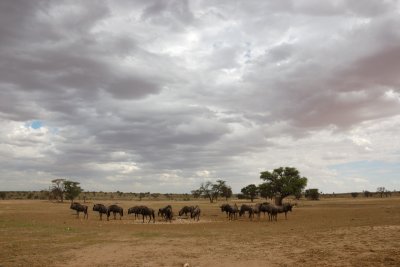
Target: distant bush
{"x": 354, "y": 194}
{"x": 3, "y": 195}
{"x": 312, "y": 194}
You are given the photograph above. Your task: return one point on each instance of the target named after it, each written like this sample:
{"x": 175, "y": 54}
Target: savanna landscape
{"x": 336, "y": 231}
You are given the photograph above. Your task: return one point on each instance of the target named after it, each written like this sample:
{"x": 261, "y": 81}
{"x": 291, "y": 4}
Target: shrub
{"x": 312, "y": 194}
{"x": 354, "y": 194}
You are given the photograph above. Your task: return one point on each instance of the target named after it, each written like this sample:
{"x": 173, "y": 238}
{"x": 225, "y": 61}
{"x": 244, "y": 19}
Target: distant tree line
{"x": 279, "y": 184}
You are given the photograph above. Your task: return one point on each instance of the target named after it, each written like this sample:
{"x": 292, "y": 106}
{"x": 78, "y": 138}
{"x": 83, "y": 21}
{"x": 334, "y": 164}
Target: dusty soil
{"x": 329, "y": 232}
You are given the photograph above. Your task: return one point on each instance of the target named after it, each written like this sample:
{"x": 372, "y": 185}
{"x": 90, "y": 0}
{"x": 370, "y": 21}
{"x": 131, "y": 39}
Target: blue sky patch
{"x": 36, "y": 124}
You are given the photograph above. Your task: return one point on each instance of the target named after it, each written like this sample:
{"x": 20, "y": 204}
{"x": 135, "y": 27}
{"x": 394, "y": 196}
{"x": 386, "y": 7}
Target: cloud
{"x": 159, "y": 96}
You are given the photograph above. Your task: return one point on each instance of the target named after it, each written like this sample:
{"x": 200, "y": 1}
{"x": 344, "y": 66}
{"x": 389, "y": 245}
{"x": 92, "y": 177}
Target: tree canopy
{"x": 284, "y": 181}
{"x": 250, "y": 191}
{"x": 213, "y": 190}
{"x": 72, "y": 190}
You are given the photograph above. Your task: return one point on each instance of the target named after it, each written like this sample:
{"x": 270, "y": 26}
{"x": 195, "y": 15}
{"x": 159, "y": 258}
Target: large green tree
{"x": 250, "y": 191}
{"x": 284, "y": 181}
{"x": 72, "y": 190}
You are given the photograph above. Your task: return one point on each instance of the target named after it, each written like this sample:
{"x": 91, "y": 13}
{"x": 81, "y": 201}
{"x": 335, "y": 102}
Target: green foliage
{"x": 284, "y": 181}
{"x": 312, "y": 194}
{"x": 212, "y": 191}
{"x": 225, "y": 191}
{"x": 266, "y": 190}
{"x": 250, "y": 191}
{"x": 72, "y": 190}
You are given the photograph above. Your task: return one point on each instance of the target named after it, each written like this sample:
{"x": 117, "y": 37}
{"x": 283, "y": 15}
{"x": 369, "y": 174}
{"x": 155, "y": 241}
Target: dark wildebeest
{"x": 232, "y": 211}
{"x": 115, "y": 209}
{"x": 285, "y": 208}
{"x": 80, "y": 208}
{"x": 135, "y": 210}
{"x": 185, "y": 210}
{"x": 145, "y": 211}
{"x": 224, "y": 208}
{"x": 195, "y": 213}
{"x": 166, "y": 213}
{"x": 246, "y": 208}
{"x": 265, "y": 208}
{"x": 101, "y": 209}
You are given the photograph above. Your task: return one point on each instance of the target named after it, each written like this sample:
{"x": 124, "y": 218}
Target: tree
{"x": 381, "y": 190}
{"x": 367, "y": 194}
{"x": 354, "y": 194}
{"x": 250, "y": 191}
{"x": 218, "y": 188}
{"x": 209, "y": 190}
{"x": 212, "y": 191}
{"x": 226, "y": 192}
{"x": 196, "y": 193}
{"x": 266, "y": 191}
{"x": 57, "y": 188}
{"x": 72, "y": 190}
{"x": 284, "y": 181}
{"x": 3, "y": 195}
{"x": 312, "y": 194}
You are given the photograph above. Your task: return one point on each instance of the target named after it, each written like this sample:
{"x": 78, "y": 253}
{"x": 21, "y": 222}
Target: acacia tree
{"x": 213, "y": 190}
{"x": 72, "y": 190}
{"x": 284, "y": 181}
{"x": 250, "y": 191}
{"x": 226, "y": 192}
{"x": 57, "y": 188}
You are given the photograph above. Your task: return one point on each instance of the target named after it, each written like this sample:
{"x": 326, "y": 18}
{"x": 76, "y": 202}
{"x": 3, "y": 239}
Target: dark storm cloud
{"x": 163, "y": 95}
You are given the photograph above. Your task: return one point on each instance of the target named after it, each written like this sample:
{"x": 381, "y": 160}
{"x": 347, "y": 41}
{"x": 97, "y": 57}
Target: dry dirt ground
{"x": 329, "y": 232}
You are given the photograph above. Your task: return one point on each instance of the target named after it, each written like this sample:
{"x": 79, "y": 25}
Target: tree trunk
{"x": 278, "y": 200}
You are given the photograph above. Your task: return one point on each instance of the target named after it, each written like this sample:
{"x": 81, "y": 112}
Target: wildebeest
{"x": 80, "y": 208}
{"x": 101, "y": 209}
{"x": 285, "y": 208}
{"x": 224, "y": 208}
{"x": 145, "y": 211}
{"x": 264, "y": 207}
{"x": 166, "y": 213}
{"x": 195, "y": 213}
{"x": 246, "y": 208}
{"x": 185, "y": 210}
{"x": 136, "y": 210}
{"x": 115, "y": 209}
{"x": 230, "y": 210}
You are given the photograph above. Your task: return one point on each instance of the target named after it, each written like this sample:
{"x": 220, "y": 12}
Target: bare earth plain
{"x": 328, "y": 232}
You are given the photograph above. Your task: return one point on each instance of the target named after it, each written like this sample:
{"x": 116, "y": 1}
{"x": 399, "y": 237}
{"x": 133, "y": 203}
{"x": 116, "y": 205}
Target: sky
{"x": 162, "y": 96}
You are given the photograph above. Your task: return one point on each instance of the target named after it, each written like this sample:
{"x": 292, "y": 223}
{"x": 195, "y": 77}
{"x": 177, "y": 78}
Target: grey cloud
{"x": 258, "y": 86}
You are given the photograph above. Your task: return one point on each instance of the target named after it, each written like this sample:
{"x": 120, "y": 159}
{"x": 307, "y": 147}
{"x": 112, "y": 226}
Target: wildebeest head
{"x": 224, "y": 207}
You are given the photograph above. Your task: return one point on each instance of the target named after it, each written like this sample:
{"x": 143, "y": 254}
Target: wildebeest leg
{"x": 115, "y": 215}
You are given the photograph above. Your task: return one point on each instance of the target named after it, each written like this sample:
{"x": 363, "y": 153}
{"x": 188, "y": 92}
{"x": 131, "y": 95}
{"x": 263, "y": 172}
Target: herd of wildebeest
{"x": 192, "y": 212}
